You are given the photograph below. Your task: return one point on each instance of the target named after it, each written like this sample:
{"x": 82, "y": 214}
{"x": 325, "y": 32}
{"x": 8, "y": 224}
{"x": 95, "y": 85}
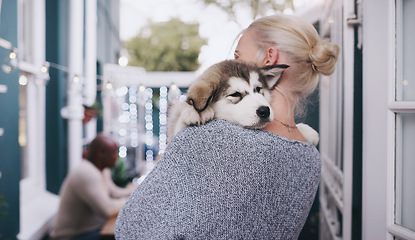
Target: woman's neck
{"x": 283, "y": 123}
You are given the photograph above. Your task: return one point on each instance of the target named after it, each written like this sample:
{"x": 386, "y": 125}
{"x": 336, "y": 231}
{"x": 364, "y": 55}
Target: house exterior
{"x": 53, "y": 54}
{"x": 366, "y": 110}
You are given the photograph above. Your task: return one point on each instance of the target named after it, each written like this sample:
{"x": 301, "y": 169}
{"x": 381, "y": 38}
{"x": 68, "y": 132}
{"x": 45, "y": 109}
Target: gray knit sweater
{"x": 222, "y": 181}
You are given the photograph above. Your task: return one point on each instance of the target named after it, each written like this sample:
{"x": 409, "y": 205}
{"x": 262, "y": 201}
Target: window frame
{"x": 379, "y": 121}
{"x": 395, "y": 107}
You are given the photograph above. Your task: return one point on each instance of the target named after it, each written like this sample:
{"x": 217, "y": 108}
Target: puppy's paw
{"x": 190, "y": 116}
{"x": 309, "y": 133}
{"x": 207, "y": 115}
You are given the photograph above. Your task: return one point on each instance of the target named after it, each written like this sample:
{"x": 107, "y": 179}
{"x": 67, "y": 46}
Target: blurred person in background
{"x": 88, "y": 195}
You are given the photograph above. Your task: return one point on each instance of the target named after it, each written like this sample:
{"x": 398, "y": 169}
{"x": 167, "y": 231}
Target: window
{"x": 405, "y": 166}
{"x": 402, "y": 214}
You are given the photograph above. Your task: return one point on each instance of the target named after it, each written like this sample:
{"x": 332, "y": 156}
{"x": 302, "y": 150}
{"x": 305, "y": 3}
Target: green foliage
{"x": 119, "y": 174}
{"x": 257, "y": 8}
{"x": 97, "y": 107}
{"x": 169, "y": 46}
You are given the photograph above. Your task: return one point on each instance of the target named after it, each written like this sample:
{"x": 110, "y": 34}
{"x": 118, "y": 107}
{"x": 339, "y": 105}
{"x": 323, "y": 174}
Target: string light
{"x": 149, "y": 125}
{"x": 133, "y": 108}
{"x": 123, "y": 61}
{"x": 76, "y": 79}
{"x": 10, "y": 63}
{"x": 45, "y": 68}
{"x": 23, "y": 80}
{"x": 12, "y": 55}
{"x": 174, "y": 92}
{"x": 163, "y": 120}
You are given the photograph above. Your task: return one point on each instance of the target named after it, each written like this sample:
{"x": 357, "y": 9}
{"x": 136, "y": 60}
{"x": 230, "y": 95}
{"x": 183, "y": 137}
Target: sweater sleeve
{"x": 90, "y": 186}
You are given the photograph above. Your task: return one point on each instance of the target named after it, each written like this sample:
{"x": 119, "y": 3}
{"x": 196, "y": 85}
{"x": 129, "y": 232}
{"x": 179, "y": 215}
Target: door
{"x": 340, "y": 122}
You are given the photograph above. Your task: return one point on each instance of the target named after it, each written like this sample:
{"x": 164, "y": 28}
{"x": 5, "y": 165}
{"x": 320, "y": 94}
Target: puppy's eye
{"x": 258, "y": 89}
{"x": 236, "y": 95}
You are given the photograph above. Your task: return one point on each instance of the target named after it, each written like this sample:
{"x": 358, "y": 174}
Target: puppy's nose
{"x": 263, "y": 112}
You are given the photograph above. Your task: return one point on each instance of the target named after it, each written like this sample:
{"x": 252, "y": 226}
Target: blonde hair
{"x": 309, "y": 55}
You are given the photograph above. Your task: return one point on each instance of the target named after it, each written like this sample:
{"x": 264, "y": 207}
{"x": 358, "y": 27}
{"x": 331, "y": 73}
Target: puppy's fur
{"x": 233, "y": 91}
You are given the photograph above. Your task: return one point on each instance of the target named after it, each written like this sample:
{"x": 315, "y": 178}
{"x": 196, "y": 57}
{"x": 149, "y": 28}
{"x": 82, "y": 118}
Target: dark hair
{"x": 98, "y": 150}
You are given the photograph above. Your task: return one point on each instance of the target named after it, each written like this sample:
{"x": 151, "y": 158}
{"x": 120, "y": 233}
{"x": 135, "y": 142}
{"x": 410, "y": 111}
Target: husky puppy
{"x": 233, "y": 91}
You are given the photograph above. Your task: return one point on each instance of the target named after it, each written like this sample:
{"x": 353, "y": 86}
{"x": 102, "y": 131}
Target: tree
{"x": 168, "y": 46}
{"x": 257, "y": 8}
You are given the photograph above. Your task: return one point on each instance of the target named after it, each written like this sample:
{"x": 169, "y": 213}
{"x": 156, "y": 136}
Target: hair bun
{"x": 323, "y": 57}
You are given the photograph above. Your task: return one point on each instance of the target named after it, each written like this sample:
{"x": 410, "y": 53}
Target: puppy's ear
{"x": 200, "y": 94}
{"x": 273, "y": 74}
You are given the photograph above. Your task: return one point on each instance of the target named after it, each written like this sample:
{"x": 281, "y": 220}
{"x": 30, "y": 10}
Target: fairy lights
{"x": 23, "y": 80}
{"x": 12, "y": 55}
{"x": 10, "y": 63}
{"x": 123, "y": 61}
{"x": 133, "y": 109}
{"x": 149, "y": 125}
{"x": 138, "y": 103}
{"x": 163, "y": 120}
{"x": 174, "y": 92}
{"x": 45, "y": 68}
{"x": 76, "y": 79}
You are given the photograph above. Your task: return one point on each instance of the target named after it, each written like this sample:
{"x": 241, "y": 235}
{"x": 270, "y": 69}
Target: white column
{"x": 90, "y": 52}
{"x": 90, "y": 87}
{"x": 74, "y": 111}
{"x": 39, "y": 89}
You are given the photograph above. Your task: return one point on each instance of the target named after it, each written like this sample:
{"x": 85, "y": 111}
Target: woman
{"x": 222, "y": 181}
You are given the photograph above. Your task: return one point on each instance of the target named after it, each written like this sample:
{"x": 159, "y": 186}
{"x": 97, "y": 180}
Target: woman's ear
{"x": 271, "y": 57}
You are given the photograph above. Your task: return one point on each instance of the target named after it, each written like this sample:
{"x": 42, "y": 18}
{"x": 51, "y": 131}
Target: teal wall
{"x": 108, "y": 48}
{"x": 56, "y": 126}
{"x": 9, "y": 118}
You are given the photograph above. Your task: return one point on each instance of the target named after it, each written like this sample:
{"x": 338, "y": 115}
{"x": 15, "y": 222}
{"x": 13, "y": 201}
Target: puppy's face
{"x": 237, "y": 92}
{"x": 245, "y": 102}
